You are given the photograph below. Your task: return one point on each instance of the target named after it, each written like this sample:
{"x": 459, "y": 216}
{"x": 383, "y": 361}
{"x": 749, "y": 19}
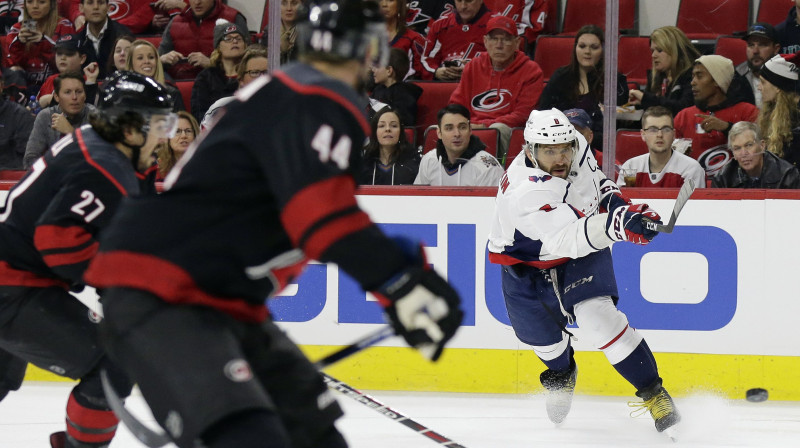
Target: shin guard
{"x": 87, "y": 426}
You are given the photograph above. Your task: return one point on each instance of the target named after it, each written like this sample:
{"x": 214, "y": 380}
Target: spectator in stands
{"x": 98, "y": 37}
{"x": 116, "y": 60}
{"x": 172, "y": 150}
{"x": 501, "y": 86}
{"x": 54, "y": 122}
{"x": 389, "y": 159}
{"x": 392, "y": 90}
{"x": 254, "y": 65}
{"x": 143, "y": 58}
{"x": 459, "y": 158}
{"x": 10, "y": 10}
{"x": 70, "y": 59}
{"x": 662, "y": 166}
{"x": 188, "y": 41}
{"x": 669, "y": 81}
{"x": 789, "y": 31}
{"x": 16, "y": 124}
{"x": 454, "y": 40}
{"x": 582, "y": 123}
{"x": 779, "y": 118}
{"x": 762, "y": 45}
{"x": 139, "y": 16}
{"x": 410, "y": 42}
{"x": 707, "y": 122}
{"x": 32, "y": 41}
{"x": 421, "y": 14}
{"x": 290, "y": 10}
{"x": 580, "y": 84}
{"x": 220, "y": 79}
{"x": 752, "y": 165}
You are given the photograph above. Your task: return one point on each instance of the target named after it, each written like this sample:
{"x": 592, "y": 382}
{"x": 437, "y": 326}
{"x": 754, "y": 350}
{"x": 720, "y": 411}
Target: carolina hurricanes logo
{"x": 118, "y": 9}
{"x": 238, "y": 370}
{"x": 230, "y": 29}
{"x": 544, "y": 178}
{"x": 713, "y": 159}
{"x": 492, "y": 100}
{"x": 415, "y": 15}
{"x": 66, "y": 38}
{"x": 12, "y": 5}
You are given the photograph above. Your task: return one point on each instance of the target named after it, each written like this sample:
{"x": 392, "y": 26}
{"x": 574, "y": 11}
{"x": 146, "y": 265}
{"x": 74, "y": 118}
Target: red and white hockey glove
{"x": 634, "y": 223}
{"x": 613, "y": 201}
{"x": 422, "y": 307}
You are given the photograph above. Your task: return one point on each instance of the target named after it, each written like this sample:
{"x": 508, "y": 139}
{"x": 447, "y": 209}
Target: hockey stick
{"x": 683, "y": 195}
{"x": 154, "y": 439}
{"x": 386, "y": 411}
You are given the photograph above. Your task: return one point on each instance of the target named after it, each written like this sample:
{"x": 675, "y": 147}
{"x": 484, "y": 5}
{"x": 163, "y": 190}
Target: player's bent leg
{"x": 13, "y": 372}
{"x": 561, "y": 388}
{"x": 248, "y": 429}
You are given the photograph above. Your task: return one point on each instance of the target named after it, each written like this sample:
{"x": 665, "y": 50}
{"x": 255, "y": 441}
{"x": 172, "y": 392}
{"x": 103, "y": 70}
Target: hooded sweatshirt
{"x": 789, "y": 33}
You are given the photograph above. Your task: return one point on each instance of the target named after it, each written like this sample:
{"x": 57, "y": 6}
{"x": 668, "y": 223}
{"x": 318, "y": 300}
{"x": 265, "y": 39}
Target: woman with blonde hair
{"x": 33, "y": 41}
{"x": 779, "y": 118}
{"x": 173, "y": 149}
{"x": 143, "y": 58}
{"x": 669, "y": 81}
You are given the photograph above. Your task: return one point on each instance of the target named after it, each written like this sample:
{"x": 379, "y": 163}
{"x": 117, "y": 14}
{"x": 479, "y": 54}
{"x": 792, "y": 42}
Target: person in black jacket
{"x": 579, "y": 85}
{"x": 98, "y": 36}
{"x": 220, "y": 79}
{"x": 752, "y": 165}
{"x": 389, "y": 159}
{"x": 779, "y": 117}
{"x": 393, "y": 91}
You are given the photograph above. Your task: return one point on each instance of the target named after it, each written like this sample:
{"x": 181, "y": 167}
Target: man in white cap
{"x": 707, "y": 122}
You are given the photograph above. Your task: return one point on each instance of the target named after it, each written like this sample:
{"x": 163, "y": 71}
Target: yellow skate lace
{"x": 659, "y": 406}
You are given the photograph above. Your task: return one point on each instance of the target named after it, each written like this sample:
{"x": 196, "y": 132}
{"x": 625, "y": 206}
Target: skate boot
{"x": 561, "y": 387}
{"x": 662, "y": 408}
{"x": 60, "y": 439}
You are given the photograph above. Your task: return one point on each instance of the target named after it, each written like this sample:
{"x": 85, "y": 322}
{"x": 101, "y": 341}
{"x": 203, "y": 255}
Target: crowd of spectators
{"x": 483, "y": 48}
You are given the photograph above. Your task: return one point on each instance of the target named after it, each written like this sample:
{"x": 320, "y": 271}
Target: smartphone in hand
{"x": 29, "y": 24}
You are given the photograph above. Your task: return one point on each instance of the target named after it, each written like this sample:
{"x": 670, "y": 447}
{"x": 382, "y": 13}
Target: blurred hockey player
{"x": 49, "y": 230}
{"x": 556, "y": 216}
{"x": 270, "y": 186}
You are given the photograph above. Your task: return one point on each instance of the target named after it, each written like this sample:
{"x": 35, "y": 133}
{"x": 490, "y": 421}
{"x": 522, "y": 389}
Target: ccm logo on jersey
{"x": 544, "y": 178}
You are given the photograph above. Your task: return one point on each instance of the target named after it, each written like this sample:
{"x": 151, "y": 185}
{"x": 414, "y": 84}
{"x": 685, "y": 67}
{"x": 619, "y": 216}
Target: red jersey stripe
{"x": 318, "y": 242}
{"x": 67, "y": 258}
{"x": 51, "y": 237}
{"x": 508, "y": 260}
{"x": 90, "y": 161}
{"x": 15, "y": 277}
{"x": 315, "y": 202}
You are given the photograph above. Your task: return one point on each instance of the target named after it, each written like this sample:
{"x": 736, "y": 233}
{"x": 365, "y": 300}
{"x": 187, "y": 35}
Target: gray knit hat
{"x": 720, "y": 68}
{"x": 223, "y": 28}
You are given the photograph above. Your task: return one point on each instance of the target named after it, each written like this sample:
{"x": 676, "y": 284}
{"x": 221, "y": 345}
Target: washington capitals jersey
{"x": 540, "y": 219}
{"x": 53, "y": 216}
{"x": 267, "y": 188}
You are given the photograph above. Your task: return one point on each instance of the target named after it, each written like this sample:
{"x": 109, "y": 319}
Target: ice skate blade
{"x": 672, "y": 433}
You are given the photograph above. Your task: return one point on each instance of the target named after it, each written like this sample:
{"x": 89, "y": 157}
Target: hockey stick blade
{"x": 355, "y": 347}
{"x": 388, "y": 412}
{"x": 144, "y": 434}
{"x": 683, "y": 196}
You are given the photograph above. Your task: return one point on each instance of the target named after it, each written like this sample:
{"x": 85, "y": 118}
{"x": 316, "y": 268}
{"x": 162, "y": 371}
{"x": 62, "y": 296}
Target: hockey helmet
{"x": 133, "y": 92}
{"x": 549, "y": 127}
{"x": 349, "y": 29}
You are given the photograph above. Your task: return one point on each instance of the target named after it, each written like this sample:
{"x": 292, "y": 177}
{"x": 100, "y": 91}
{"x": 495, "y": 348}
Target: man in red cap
{"x": 501, "y": 86}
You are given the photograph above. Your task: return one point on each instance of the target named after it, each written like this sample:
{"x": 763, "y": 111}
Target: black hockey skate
{"x": 561, "y": 387}
{"x": 62, "y": 440}
{"x": 662, "y": 408}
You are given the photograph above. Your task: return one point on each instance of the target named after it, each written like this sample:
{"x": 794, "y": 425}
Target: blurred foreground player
{"x": 49, "y": 230}
{"x": 270, "y": 186}
{"x": 556, "y": 216}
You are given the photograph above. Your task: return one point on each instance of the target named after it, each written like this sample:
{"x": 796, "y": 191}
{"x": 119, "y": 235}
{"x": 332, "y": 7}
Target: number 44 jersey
{"x": 52, "y": 218}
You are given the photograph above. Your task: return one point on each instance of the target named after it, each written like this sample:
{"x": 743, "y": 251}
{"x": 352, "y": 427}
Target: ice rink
{"x": 28, "y": 416}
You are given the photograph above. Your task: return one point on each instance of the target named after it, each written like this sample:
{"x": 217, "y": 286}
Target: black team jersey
{"x": 269, "y": 187}
{"x": 52, "y": 217}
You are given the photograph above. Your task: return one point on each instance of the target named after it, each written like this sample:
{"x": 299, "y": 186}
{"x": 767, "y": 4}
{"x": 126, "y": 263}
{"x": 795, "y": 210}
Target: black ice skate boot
{"x": 561, "y": 387}
{"x": 662, "y": 408}
{"x": 60, "y": 439}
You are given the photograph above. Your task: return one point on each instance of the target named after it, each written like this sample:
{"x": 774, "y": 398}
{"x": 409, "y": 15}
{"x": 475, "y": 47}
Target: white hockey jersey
{"x": 481, "y": 170}
{"x": 679, "y": 168}
{"x": 543, "y": 220}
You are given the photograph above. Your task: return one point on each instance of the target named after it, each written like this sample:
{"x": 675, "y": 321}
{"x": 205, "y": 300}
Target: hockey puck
{"x": 757, "y": 395}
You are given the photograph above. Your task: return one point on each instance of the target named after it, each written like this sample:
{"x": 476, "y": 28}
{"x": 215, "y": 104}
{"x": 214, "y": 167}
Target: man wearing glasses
{"x": 662, "y": 166}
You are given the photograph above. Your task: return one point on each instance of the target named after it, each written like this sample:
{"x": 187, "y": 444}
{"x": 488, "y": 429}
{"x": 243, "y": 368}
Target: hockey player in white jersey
{"x": 556, "y": 215}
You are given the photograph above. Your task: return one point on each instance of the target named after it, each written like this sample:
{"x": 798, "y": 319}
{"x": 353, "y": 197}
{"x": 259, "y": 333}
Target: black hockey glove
{"x": 422, "y": 307}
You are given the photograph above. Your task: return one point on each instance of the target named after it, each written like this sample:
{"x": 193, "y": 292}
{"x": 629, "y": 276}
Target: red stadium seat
{"x": 733, "y": 48}
{"x": 515, "y": 145}
{"x": 593, "y": 12}
{"x": 435, "y": 95}
{"x": 490, "y": 137}
{"x": 411, "y": 135}
{"x": 154, "y": 39}
{"x": 185, "y": 88}
{"x": 629, "y": 144}
{"x": 553, "y": 52}
{"x": 634, "y": 58}
{"x": 773, "y": 11}
{"x": 707, "y": 19}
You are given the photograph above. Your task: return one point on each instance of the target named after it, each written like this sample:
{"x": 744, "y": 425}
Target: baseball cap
{"x": 762, "y": 29}
{"x": 578, "y": 117}
{"x": 502, "y": 23}
{"x": 69, "y": 42}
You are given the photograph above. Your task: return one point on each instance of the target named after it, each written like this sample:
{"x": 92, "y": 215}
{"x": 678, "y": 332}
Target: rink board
{"x": 714, "y": 299}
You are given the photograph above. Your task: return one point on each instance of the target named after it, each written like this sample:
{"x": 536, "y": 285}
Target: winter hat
{"x": 720, "y": 68}
{"x": 781, "y": 71}
{"x": 223, "y": 28}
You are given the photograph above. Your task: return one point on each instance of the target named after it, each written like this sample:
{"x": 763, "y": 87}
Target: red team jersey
{"x": 449, "y": 39}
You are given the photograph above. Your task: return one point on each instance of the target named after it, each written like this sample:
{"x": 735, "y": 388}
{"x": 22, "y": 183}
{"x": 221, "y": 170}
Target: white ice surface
{"x": 28, "y": 416}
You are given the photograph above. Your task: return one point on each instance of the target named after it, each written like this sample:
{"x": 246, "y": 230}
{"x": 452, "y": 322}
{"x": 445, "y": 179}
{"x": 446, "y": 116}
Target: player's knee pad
{"x": 88, "y": 425}
{"x": 551, "y": 352}
{"x": 91, "y": 387}
{"x": 607, "y": 328}
{"x": 257, "y": 428}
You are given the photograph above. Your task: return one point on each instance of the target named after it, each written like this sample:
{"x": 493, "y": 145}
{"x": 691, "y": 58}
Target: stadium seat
{"x": 490, "y": 137}
{"x": 593, "y": 12}
{"x": 154, "y": 39}
{"x": 629, "y": 144}
{"x": 12, "y": 175}
{"x": 411, "y": 135}
{"x": 707, "y": 19}
{"x": 773, "y": 11}
{"x": 435, "y": 95}
{"x": 733, "y": 48}
{"x": 515, "y": 145}
{"x": 553, "y": 52}
{"x": 185, "y": 88}
{"x": 634, "y": 58}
